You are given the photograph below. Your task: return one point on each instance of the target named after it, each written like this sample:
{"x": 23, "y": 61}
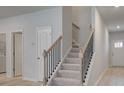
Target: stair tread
{"x": 69, "y": 71}
{"x": 73, "y": 53}
{"x": 73, "y": 58}
{"x": 67, "y": 79}
{"x": 67, "y": 66}
{"x": 71, "y": 64}
{"x": 66, "y": 82}
{"x": 75, "y": 48}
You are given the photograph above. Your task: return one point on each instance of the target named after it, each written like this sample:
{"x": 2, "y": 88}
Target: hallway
{"x": 113, "y": 77}
{"x": 17, "y": 81}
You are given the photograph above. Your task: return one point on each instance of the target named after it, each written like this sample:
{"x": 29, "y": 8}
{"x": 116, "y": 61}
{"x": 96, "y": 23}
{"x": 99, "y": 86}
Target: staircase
{"x": 73, "y": 70}
{"x": 69, "y": 73}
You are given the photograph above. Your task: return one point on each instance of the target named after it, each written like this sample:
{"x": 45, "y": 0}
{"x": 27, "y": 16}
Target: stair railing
{"x": 87, "y": 56}
{"x": 52, "y": 58}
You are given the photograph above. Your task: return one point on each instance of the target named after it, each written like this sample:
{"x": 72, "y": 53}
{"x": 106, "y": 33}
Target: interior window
{"x": 118, "y": 44}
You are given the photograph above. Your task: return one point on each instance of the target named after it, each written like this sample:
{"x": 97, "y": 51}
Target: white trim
{"x": 100, "y": 77}
{"x": 40, "y": 28}
{"x": 55, "y": 73}
{"x": 6, "y": 49}
{"x": 12, "y": 33}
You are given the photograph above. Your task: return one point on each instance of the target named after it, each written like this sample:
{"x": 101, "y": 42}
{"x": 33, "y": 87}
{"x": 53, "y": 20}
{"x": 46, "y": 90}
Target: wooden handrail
{"x": 48, "y": 50}
{"x": 76, "y": 26}
{"x": 52, "y": 58}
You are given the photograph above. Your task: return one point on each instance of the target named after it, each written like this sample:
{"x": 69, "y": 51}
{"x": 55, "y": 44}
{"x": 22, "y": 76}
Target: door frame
{"x": 12, "y": 52}
{"x": 111, "y": 52}
{"x": 38, "y": 29}
{"x": 6, "y": 51}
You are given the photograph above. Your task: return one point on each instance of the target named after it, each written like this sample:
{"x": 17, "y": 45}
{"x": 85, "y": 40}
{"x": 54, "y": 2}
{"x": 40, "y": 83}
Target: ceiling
{"x": 113, "y": 16}
{"x": 9, "y": 11}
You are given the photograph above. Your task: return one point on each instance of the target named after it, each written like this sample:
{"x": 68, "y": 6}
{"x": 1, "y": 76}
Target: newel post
{"x": 45, "y": 67}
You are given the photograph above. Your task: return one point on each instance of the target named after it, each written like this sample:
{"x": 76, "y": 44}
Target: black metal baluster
{"x": 60, "y": 50}
{"x": 48, "y": 65}
{"x": 50, "y": 61}
{"x": 53, "y": 59}
{"x": 58, "y": 53}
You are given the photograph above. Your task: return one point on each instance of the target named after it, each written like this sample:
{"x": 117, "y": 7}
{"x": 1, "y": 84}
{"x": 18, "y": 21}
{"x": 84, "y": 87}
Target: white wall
{"x": 29, "y": 23}
{"x": 67, "y": 28}
{"x": 101, "y": 49}
{"x": 119, "y": 35}
{"x": 81, "y": 16}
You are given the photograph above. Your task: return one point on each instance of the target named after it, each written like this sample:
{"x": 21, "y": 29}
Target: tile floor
{"x": 113, "y": 77}
{"x": 16, "y": 81}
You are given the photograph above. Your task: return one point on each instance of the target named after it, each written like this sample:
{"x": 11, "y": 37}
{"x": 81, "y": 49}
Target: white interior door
{"x": 43, "y": 42}
{"x": 117, "y": 53}
{"x": 18, "y": 54}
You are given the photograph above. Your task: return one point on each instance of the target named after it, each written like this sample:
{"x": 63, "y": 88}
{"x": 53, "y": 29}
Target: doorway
{"x": 17, "y": 54}
{"x": 2, "y": 53}
{"x": 117, "y": 50}
{"x": 44, "y": 40}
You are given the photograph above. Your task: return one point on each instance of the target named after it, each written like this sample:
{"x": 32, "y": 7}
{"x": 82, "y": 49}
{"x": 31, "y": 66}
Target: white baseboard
{"x": 57, "y": 69}
{"x": 100, "y": 77}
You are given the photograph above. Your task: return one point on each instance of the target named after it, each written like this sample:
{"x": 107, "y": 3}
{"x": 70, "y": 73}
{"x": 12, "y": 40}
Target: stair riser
{"x": 62, "y": 83}
{"x": 72, "y": 61}
{"x": 75, "y": 50}
{"x": 73, "y": 55}
{"x": 67, "y": 67}
{"x": 75, "y": 46}
{"x": 69, "y": 75}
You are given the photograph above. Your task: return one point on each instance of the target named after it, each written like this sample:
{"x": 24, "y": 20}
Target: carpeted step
{"x": 73, "y": 55}
{"x": 75, "y": 50}
{"x": 67, "y": 66}
{"x": 72, "y": 60}
{"x": 59, "y": 81}
{"x": 69, "y": 74}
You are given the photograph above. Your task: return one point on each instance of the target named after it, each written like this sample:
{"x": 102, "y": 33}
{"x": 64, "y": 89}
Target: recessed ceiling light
{"x": 117, "y": 6}
{"x": 118, "y": 27}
